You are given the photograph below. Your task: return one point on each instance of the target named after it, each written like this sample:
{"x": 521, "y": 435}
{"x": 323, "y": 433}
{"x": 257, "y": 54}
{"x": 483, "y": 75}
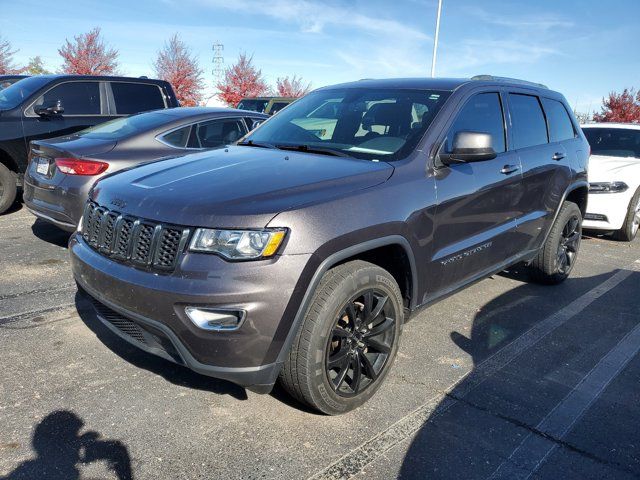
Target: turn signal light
{"x": 78, "y": 166}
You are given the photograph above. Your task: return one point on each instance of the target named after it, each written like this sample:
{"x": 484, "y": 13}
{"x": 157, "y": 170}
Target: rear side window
{"x": 136, "y": 97}
{"x": 217, "y": 133}
{"x": 482, "y": 113}
{"x": 529, "y": 126}
{"x": 560, "y": 126}
{"x": 78, "y": 98}
{"x": 178, "y": 138}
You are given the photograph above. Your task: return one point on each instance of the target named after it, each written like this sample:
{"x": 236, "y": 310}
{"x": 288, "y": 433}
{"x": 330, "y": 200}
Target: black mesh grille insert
{"x": 123, "y": 324}
{"x": 133, "y": 240}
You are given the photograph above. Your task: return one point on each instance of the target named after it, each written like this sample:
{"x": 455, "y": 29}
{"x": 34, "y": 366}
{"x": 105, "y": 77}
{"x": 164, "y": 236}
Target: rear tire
{"x": 8, "y": 188}
{"x": 631, "y": 224}
{"x": 560, "y": 251}
{"x": 344, "y": 349}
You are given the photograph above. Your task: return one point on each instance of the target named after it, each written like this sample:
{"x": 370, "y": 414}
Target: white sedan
{"x": 614, "y": 179}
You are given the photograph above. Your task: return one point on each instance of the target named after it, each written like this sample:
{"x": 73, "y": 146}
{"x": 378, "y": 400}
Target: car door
{"x": 83, "y": 107}
{"x": 476, "y": 212}
{"x": 544, "y": 168}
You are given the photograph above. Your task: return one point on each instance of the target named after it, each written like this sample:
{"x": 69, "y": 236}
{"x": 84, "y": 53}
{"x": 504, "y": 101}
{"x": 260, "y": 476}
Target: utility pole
{"x": 435, "y": 41}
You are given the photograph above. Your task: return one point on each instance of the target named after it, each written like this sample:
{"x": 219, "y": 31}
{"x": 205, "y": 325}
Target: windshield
{"x": 13, "y": 95}
{"x": 253, "y": 105}
{"x": 367, "y": 123}
{"x": 125, "y": 126}
{"x": 613, "y": 142}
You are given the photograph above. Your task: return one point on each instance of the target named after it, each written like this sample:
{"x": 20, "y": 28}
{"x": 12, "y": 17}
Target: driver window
{"x": 483, "y": 114}
{"x": 78, "y": 98}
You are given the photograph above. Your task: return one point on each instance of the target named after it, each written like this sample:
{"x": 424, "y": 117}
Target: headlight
{"x": 238, "y": 244}
{"x": 608, "y": 187}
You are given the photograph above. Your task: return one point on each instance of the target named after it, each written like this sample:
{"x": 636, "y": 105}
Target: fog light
{"x": 215, "y": 319}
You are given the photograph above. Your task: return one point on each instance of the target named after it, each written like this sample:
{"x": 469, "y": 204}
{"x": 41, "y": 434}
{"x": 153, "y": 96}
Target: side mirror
{"x": 469, "y": 147}
{"x": 50, "y": 109}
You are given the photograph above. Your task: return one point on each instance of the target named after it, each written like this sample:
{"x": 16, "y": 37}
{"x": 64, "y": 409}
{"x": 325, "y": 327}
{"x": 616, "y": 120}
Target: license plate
{"x": 42, "y": 166}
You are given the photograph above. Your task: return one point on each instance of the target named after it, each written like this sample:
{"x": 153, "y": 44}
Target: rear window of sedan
{"x": 123, "y": 127}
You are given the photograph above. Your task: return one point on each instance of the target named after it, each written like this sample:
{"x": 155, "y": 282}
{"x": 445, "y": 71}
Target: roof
{"x": 97, "y": 77}
{"x": 629, "y": 126}
{"x": 435, "y": 83}
{"x": 182, "y": 112}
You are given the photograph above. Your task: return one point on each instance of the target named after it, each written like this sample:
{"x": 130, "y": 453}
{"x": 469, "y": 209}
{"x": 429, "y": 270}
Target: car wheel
{"x": 631, "y": 224}
{"x": 8, "y": 188}
{"x": 348, "y": 340}
{"x": 560, "y": 251}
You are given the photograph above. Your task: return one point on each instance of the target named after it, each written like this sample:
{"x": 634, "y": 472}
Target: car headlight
{"x": 608, "y": 187}
{"x": 238, "y": 244}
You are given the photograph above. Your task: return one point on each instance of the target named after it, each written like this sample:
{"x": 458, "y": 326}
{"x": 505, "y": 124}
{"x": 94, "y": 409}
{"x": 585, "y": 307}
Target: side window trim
{"x": 29, "y": 112}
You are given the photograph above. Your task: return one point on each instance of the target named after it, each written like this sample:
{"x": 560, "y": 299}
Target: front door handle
{"x": 558, "y": 156}
{"x": 509, "y": 169}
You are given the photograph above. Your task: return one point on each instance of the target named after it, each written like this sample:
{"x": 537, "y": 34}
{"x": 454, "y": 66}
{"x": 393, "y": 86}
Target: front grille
{"x": 136, "y": 241}
{"x": 123, "y": 324}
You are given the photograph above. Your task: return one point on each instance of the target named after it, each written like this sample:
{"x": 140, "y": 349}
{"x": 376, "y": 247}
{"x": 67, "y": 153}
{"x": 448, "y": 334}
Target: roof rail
{"x": 509, "y": 80}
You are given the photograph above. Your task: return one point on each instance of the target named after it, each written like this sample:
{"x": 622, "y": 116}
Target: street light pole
{"x": 435, "y": 41}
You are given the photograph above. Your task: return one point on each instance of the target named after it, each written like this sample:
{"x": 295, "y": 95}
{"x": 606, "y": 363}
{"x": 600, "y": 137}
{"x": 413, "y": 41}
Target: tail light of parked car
{"x": 79, "y": 166}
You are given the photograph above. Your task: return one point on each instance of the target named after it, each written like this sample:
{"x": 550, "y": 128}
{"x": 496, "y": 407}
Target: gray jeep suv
{"x": 299, "y": 253}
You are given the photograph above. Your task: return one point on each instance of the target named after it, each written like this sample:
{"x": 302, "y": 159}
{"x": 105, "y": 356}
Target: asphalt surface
{"x": 506, "y": 379}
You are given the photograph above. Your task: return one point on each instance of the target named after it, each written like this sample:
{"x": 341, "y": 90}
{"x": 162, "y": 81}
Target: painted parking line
{"x": 354, "y": 461}
{"x": 535, "y": 448}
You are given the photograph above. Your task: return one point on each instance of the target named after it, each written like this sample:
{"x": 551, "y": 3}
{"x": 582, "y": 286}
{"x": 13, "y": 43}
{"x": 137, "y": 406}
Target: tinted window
{"x": 253, "y": 105}
{"x": 370, "y": 123}
{"x": 560, "y": 126}
{"x": 13, "y": 95}
{"x": 613, "y": 142}
{"x": 178, "y": 138}
{"x": 136, "y": 97}
{"x": 217, "y": 133}
{"x": 277, "y": 106}
{"x": 529, "y": 126}
{"x": 123, "y": 127}
{"x": 78, "y": 98}
{"x": 482, "y": 113}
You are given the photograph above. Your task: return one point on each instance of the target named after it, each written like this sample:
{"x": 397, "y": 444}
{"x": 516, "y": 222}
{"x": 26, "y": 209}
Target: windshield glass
{"x": 13, "y": 95}
{"x": 366, "y": 123}
{"x": 253, "y": 105}
{"x": 613, "y": 142}
{"x": 125, "y": 126}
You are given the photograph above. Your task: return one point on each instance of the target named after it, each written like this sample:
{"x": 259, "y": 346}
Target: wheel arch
{"x": 8, "y": 161}
{"x": 579, "y": 195}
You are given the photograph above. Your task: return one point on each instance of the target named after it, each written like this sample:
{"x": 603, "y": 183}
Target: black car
{"x": 8, "y": 80}
{"x": 62, "y": 170}
{"x": 46, "y": 106}
{"x": 300, "y": 253}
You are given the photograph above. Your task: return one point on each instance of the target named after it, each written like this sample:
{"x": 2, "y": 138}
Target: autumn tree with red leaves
{"x": 242, "y": 80}
{"x": 88, "y": 55}
{"x": 293, "y": 87}
{"x": 176, "y": 65}
{"x": 620, "y": 107}
{"x": 6, "y": 58}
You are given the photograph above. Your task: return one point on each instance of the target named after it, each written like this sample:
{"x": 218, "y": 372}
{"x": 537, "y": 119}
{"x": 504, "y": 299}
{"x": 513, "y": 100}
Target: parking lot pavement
{"x": 503, "y": 380}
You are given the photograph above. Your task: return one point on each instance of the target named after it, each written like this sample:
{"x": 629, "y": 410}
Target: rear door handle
{"x": 558, "y": 156}
{"x": 509, "y": 169}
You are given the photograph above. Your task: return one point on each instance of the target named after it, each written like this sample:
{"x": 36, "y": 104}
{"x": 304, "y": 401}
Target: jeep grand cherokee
{"x": 299, "y": 253}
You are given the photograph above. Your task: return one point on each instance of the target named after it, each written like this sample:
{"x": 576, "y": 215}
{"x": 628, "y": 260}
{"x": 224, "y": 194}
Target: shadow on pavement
{"x": 482, "y": 420}
{"x": 50, "y": 233}
{"x": 61, "y": 449}
{"x": 172, "y": 372}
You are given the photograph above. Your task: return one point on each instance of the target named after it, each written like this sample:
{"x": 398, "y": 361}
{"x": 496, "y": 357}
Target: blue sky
{"x": 582, "y": 48}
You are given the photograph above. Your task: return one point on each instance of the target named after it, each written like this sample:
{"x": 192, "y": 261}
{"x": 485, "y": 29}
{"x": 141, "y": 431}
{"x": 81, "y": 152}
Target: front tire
{"x": 8, "y": 188}
{"x": 348, "y": 339}
{"x": 559, "y": 253}
{"x": 631, "y": 224}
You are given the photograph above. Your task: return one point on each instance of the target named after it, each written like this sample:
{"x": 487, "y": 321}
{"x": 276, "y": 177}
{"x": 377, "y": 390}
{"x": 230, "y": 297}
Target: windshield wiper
{"x": 251, "y": 143}
{"x": 310, "y": 149}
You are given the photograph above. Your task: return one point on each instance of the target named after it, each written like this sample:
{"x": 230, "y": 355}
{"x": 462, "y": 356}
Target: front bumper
{"x": 612, "y": 206}
{"x": 155, "y": 303}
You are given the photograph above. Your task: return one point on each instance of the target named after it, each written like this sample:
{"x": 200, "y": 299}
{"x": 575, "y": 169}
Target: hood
{"x": 234, "y": 187}
{"x": 77, "y": 146}
{"x": 611, "y": 169}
